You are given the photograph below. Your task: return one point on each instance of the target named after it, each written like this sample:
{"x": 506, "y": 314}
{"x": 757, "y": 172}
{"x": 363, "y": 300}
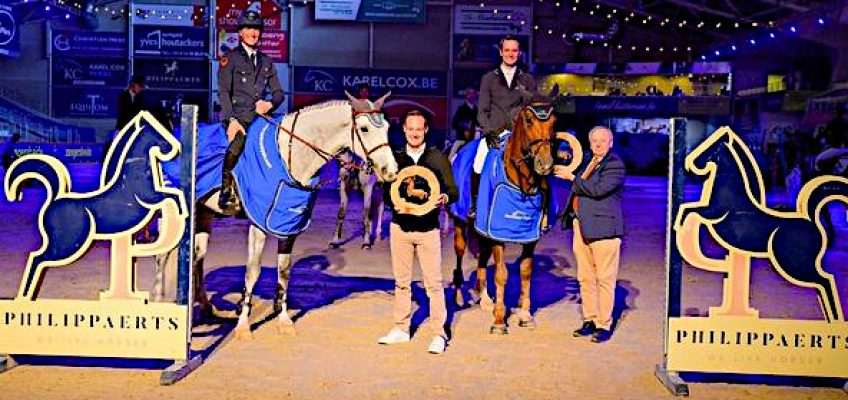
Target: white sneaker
{"x": 394, "y": 336}
{"x": 437, "y": 346}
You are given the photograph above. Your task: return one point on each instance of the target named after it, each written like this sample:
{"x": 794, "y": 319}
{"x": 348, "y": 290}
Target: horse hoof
{"x": 243, "y": 333}
{"x": 366, "y": 246}
{"x": 530, "y": 323}
{"x": 206, "y": 312}
{"x": 486, "y": 303}
{"x": 286, "y": 328}
{"x": 335, "y": 245}
{"x": 498, "y": 329}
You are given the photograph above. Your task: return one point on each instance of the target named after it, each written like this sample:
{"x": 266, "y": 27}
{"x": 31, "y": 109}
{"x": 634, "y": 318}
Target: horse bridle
{"x": 542, "y": 112}
{"x": 355, "y": 131}
{"x": 355, "y": 135}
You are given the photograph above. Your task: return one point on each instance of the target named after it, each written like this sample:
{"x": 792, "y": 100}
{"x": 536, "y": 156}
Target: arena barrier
{"x": 722, "y": 227}
{"x": 123, "y": 325}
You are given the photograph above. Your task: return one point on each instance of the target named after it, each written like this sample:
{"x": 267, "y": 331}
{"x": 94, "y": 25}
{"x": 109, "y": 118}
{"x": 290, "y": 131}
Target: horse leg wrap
{"x": 244, "y": 301}
{"x": 280, "y": 299}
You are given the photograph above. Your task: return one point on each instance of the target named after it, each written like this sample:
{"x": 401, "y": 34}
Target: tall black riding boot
{"x": 228, "y": 200}
{"x": 475, "y": 189}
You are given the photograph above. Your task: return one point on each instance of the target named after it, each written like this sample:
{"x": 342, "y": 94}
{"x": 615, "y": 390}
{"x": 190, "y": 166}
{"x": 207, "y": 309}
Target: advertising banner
{"x": 326, "y": 80}
{"x": 85, "y": 102}
{"x": 10, "y": 33}
{"x": 274, "y": 43}
{"x": 83, "y": 71}
{"x": 477, "y": 20}
{"x": 168, "y": 15}
{"x": 228, "y": 12}
{"x": 170, "y": 41}
{"x": 174, "y": 74}
{"x": 66, "y": 152}
{"x": 371, "y": 10}
{"x": 89, "y": 44}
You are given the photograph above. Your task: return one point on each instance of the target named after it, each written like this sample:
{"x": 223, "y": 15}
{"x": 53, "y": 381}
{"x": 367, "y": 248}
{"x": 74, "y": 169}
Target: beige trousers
{"x": 597, "y": 269}
{"x": 428, "y": 247}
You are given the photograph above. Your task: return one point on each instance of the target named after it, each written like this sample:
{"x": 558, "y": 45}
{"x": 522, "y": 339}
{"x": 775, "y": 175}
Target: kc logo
{"x": 131, "y": 192}
{"x": 321, "y": 81}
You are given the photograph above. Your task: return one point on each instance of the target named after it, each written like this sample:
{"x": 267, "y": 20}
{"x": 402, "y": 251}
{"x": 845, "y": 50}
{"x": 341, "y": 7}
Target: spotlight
{"x": 753, "y": 42}
{"x": 733, "y": 47}
{"x": 703, "y": 57}
{"x": 717, "y": 53}
{"x": 771, "y": 35}
{"x": 792, "y": 28}
{"x": 821, "y": 21}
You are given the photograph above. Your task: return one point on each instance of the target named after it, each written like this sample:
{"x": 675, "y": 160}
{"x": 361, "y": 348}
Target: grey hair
{"x": 601, "y": 128}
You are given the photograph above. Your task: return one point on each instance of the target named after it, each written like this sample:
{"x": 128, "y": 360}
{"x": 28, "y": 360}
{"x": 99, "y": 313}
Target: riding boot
{"x": 228, "y": 200}
{"x": 243, "y": 302}
{"x": 475, "y": 189}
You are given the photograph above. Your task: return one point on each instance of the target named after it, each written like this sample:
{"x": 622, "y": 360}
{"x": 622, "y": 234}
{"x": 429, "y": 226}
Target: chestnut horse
{"x": 527, "y": 161}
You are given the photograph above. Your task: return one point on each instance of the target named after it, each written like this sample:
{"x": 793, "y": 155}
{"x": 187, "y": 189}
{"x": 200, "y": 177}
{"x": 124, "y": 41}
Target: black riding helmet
{"x": 251, "y": 19}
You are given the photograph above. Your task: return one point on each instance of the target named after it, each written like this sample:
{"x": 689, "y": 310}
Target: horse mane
{"x": 323, "y": 105}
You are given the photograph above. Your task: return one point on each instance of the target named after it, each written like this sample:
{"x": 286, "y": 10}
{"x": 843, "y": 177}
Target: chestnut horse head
{"x": 528, "y": 156}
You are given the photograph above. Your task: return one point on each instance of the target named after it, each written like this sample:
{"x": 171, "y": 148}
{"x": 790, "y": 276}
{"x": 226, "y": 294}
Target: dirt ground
{"x": 342, "y": 300}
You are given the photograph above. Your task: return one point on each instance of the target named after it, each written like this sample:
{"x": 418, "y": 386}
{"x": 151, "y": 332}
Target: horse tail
{"x": 49, "y": 170}
{"x": 819, "y": 191}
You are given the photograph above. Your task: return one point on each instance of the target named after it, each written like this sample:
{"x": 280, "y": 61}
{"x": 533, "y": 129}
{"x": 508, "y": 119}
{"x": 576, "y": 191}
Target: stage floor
{"x": 342, "y": 301}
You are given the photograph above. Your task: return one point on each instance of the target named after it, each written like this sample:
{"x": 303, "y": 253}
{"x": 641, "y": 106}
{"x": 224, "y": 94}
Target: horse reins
{"x": 327, "y": 156}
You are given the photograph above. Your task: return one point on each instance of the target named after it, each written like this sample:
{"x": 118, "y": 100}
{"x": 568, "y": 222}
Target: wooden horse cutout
{"x": 131, "y": 192}
{"x": 733, "y": 209}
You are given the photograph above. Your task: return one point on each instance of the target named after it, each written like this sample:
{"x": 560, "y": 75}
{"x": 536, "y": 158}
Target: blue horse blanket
{"x": 462, "y": 167}
{"x": 503, "y": 212}
{"x": 271, "y": 198}
{"x": 211, "y": 147}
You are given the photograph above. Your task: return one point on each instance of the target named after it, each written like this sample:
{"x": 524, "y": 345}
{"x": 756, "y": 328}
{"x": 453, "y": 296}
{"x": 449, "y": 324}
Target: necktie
{"x": 253, "y": 59}
{"x": 588, "y": 172}
{"x": 591, "y": 168}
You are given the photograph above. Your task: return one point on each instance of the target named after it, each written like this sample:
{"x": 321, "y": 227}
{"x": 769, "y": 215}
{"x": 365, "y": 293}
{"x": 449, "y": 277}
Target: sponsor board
{"x": 84, "y": 71}
{"x": 170, "y": 41}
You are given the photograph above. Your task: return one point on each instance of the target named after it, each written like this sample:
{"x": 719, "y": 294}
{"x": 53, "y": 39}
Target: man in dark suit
{"x": 594, "y": 211}
{"x": 130, "y": 101}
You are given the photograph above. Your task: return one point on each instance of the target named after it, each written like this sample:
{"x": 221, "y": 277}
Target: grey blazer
{"x": 600, "y": 211}
{"x": 499, "y": 103}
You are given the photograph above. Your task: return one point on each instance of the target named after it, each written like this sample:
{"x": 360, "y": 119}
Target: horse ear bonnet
{"x": 542, "y": 111}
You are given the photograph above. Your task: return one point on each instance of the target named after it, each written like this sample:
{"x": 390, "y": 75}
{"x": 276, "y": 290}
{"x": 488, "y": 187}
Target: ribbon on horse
{"x": 271, "y": 198}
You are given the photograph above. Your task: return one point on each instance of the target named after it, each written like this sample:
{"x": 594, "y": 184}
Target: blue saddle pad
{"x": 270, "y": 196}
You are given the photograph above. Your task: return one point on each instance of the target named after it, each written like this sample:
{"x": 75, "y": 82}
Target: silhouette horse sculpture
{"x": 521, "y": 169}
{"x": 131, "y": 192}
{"x": 733, "y": 209}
